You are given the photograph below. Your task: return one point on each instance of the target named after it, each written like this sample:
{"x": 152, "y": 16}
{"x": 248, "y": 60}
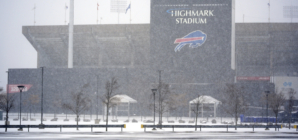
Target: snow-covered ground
{"x": 134, "y": 130}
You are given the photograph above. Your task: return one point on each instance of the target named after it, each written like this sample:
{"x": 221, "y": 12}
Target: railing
{"x": 62, "y": 126}
{"x": 210, "y": 126}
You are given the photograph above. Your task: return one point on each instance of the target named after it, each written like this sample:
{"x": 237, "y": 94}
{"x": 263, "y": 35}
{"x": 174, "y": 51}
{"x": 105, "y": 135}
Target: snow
{"x": 130, "y": 127}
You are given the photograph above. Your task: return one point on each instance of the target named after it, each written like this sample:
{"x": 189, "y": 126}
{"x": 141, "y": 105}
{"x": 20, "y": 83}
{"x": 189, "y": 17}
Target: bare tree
{"x": 291, "y": 94}
{"x": 275, "y": 101}
{"x": 107, "y": 99}
{"x": 6, "y": 104}
{"x": 78, "y": 103}
{"x": 33, "y": 99}
{"x": 57, "y": 104}
{"x": 180, "y": 101}
{"x": 196, "y": 105}
{"x": 166, "y": 100}
{"x": 234, "y": 102}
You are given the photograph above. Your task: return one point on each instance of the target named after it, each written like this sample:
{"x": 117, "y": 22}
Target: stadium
{"x": 264, "y": 56}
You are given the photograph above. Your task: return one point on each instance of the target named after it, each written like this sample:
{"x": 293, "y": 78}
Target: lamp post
{"x": 267, "y": 92}
{"x": 21, "y": 87}
{"x": 7, "y": 88}
{"x": 159, "y": 102}
{"x": 154, "y": 91}
{"x": 41, "y": 118}
{"x": 97, "y": 97}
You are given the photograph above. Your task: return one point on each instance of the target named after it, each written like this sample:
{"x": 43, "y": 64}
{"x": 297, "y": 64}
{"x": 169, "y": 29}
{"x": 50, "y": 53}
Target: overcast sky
{"x": 17, "y": 52}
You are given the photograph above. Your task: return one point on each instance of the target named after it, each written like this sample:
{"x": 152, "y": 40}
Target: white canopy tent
{"x": 204, "y": 100}
{"x": 121, "y": 100}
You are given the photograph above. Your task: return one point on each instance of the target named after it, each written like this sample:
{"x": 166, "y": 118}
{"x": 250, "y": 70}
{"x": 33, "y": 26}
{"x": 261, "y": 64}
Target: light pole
{"x": 41, "y": 118}
{"x": 7, "y": 88}
{"x": 97, "y": 97}
{"x": 21, "y": 87}
{"x": 159, "y": 102}
{"x": 154, "y": 91}
{"x": 267, "y": 92}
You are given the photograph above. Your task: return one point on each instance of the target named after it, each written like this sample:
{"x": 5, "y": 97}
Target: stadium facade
{"x": 135, "y": 52}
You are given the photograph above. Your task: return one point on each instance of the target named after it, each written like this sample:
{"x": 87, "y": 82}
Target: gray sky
{"x": 17, "y": 52}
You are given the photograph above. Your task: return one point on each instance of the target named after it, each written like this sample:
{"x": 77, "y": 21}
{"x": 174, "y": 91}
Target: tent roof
{"x": 205, "y": 100}
{"x": 124, "y": 99}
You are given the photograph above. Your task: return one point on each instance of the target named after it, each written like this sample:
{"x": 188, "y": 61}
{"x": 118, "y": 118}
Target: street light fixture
{"x": 21, "y": 87}
{"x": 154, "y": 91}
{"x": 267, "y": 92}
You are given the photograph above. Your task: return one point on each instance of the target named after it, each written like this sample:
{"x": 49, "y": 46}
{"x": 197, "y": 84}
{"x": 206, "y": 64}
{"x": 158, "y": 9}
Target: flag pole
{"x": 269, "y": 12}
{"x": 97, "y": 14}
{"x": 34, "y": 14}
{"x": 130, "y": 12}
{"x": 65, "y": 14}
{"x": 118, "y": 10}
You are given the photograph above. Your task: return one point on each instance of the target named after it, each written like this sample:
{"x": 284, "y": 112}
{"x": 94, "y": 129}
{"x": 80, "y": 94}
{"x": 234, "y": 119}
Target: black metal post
{"x": 159, "y": 105}
{"x": 7, "y": 98}
{"x": 267, "y": 109}
{"x": 21, "y": 89}
{"x": 154, "y": 91}
{"x": 20, "y": 111}
{"x": 97, "y": 97}
{"x": 154, "y": 110}
{"x": 41, "y": 119}
{"x": 91, "y": 110}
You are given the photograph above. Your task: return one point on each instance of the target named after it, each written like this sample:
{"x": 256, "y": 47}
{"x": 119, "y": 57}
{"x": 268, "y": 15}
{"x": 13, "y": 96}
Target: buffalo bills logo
{"x": 194, "y": 39}
{"x": 287, "y": 84}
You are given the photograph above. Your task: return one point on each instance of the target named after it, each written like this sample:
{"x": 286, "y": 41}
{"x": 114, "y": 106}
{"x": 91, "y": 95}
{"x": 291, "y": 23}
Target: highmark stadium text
{"x": 191, "y": 21}
{"x": 191, "y": 13}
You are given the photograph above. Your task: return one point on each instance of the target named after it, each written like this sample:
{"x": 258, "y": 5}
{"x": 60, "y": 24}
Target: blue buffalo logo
{"x": 193, "y": 39}
{"x": 287, "y": 84}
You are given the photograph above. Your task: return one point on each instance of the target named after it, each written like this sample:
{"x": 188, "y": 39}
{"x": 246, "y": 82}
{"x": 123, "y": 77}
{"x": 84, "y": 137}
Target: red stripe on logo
{"x": 179, "y": 40}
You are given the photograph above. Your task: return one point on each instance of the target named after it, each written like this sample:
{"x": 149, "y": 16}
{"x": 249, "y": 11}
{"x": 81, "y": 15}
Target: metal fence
{"x": 210, "y": 126}
{"x": 63, "y": 126}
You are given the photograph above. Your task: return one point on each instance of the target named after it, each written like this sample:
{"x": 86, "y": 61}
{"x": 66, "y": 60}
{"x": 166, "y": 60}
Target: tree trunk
{"x": 30, "y": 112}
{"x": 77, "y": 122}
{"x": 107, "y": 117}
{"x": 290, "y": 118}
{"x": 6, "y": 120}
{"x": 161, "y": 120}
{"x": 236, "y": 122}
{"x": 275, "y": 121}
{"x": 196, "y": 121}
